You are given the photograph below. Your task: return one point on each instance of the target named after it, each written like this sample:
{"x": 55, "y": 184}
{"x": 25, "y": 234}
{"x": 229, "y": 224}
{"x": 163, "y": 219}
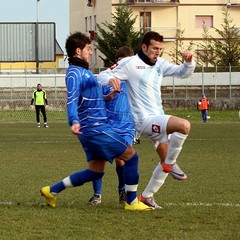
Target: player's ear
{"x": 78, "y": 51}
{"x": 144, "y": 47}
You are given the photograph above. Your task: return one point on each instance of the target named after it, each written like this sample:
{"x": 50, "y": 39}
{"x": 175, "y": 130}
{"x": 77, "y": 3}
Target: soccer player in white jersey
{"x": 143, "y": 73}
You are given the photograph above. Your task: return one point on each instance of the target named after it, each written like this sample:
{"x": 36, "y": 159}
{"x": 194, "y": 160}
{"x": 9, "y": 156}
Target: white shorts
{"x": 154, "y": 128}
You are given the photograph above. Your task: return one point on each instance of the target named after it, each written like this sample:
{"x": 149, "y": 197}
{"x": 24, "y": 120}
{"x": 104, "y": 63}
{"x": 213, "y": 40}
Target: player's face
{"x": 39, "y": 87}
{"x": 85, "y": 53}
{"x": 153, "y": 51}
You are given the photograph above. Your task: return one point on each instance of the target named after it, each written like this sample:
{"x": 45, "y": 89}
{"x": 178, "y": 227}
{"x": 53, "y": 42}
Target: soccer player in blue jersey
{"x": 143, "y": 74}
{"x": 120, "y": 119}
{"x": 88, "y": 119}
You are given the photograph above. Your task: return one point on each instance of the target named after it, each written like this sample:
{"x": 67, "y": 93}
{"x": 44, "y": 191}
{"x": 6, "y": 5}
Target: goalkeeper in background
{"x": 39, "y": 97}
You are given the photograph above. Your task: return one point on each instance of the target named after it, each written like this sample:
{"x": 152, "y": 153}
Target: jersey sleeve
{"x": 116, "y": 71}
{"x": 73, "y": 91}
{"x": 184, "y": 70}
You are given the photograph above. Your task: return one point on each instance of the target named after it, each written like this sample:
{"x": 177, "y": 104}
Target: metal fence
{"x": 16, "y": 91}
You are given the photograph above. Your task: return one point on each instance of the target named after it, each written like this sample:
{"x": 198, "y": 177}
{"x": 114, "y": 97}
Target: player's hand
{"x": 31, "y": 106}
{"x": 111, "y": 95}
{"x": 46, "y": 106}
{"x": 75, "y": 128}
{"x": 187, "y": 56}
{"x": 115, "y": 83}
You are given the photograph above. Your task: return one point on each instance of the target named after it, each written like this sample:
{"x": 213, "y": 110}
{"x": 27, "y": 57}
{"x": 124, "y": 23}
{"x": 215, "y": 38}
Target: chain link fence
{"x": 221, "y": 86}
{"x": 16, "y": 94}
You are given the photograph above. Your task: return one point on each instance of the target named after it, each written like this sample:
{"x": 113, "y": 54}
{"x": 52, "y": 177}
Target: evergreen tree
{"x": 223, "y": 51}
{"x": 177, "y": 51}
{"x": 119, "y": 33}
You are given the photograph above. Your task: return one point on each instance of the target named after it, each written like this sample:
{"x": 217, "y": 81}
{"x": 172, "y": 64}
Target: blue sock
{"x": 76, "y": 179}
{"x": 131, "y": 177}
{"x": 58, "y": 187}
{"x": 120, "y": 173}
{"x": 97, "y": 186}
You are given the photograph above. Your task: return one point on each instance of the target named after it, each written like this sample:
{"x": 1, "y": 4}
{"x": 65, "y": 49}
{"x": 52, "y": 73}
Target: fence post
{"x": 11, "y": 83}
{"x": 215, "y": 95}
{"x": 203, "y": 80}
{"x": 55, "y": 86}
{"x": 173, "y": 88}
{"x": 230, "y": 81}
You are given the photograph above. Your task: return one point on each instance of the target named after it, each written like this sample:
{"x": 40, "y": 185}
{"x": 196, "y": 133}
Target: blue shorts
{"x": 128, "y": 138}
{"x": 103, "y": 145}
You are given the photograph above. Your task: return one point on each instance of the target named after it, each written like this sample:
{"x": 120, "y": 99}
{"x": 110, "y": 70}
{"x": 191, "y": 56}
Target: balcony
{"x": 169, "y": 33}
{"x": 141, "y": 2}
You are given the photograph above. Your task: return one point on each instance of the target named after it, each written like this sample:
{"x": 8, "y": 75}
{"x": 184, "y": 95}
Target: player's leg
{"x": 157, "y": 179}
{"x": 179, "y": 129}
{"x": 43, "y": 110}
{"x": 159, "y": 127}
{"x": 131, "y": 177}
{"x": 120, "y": 164}
{"x": 203, "y": 115}
{"x": 97, "y": 189}
{"x": 96, "y": 169}
{"x": 37, "y": 109}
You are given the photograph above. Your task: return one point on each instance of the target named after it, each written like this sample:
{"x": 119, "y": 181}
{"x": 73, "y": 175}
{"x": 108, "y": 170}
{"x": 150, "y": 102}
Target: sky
{"x": 48, "y": 11}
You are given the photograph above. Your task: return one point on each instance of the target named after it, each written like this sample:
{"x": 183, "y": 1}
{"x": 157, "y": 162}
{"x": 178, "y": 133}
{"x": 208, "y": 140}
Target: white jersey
{"x": 144, "y": 83}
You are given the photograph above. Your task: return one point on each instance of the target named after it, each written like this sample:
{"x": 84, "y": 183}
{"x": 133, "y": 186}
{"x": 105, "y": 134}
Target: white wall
{"x": 58, "y": 80}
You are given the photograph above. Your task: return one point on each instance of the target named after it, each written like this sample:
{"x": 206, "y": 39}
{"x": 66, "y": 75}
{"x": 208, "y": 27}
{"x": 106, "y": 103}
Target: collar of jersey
{"x": 78, "y": 62}
{"x": 145, "y": 58}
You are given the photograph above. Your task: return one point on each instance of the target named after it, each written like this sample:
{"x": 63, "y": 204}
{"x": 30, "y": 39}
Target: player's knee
{"x": 129, "y": 152}
{"x": 185, "y": 127}
{"x": 133, "y": 160}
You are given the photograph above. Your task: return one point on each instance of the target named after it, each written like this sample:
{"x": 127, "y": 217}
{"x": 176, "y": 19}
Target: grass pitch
{"x": 207, "y": 206}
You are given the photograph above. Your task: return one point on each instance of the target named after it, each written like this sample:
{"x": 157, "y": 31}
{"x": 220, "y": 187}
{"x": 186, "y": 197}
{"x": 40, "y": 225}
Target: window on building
{"x": 205, "y": 20}
{"x": 145, "y": 21}
{"x": 95, "y": 23}
{"x": 90, "y": 3}
{"x": 86, "y": 24}
{"x": 90, "y": 22}
{"x": 95, "y": 56}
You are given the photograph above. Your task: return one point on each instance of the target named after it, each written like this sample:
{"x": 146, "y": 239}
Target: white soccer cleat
{"x": 174, "y": 170}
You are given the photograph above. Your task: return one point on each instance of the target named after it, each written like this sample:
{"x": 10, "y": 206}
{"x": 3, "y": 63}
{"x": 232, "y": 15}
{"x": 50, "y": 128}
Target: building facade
{"x": 168, "y": 17}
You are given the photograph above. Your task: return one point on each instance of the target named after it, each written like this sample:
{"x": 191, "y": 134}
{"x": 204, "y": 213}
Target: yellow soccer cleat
{"x": 138, "y": 206}
{"x": 51, "y": 200}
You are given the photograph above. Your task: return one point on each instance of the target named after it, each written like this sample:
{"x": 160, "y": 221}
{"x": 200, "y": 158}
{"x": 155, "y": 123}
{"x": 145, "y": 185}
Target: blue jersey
{"x": 85, "y": 102}
{"x": 86, "y": 105}
{"x": 118, "y": 111}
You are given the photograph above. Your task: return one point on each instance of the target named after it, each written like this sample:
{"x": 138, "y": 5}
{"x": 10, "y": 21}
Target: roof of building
{"x": 59, "y": 50}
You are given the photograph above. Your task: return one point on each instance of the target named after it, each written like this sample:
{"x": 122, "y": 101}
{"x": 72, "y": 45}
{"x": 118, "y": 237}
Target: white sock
{"x": 175, "y": 147}
{"x": 156, "y": 181}
{"x": 67, "y": 182}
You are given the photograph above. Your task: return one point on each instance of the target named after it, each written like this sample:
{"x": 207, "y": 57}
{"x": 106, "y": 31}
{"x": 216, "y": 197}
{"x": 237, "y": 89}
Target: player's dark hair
{"x": 151, "y": 36}
{"x": 74, "y": 41}
{"x": 123, "y": 52}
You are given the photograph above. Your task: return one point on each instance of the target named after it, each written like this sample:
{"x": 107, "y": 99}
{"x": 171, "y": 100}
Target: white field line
{"x": 193, "y": 204}
{"x": 200, "y": 204}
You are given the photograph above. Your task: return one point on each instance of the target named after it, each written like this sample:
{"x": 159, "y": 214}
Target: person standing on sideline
{"x": 87, "y": 117}
{"x": 203, "y": 105}
{"x": 120, "y": 118}
{"x": 143, "y": 74}
{"x": 39, "y": 97}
